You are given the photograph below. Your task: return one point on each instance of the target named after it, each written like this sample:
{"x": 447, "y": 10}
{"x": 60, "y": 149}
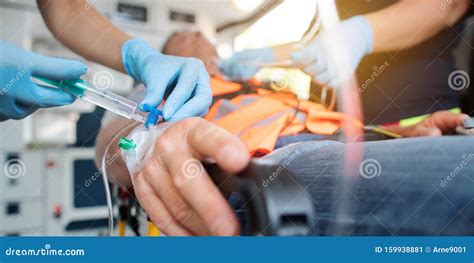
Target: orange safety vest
{"x": 260, "y": 118}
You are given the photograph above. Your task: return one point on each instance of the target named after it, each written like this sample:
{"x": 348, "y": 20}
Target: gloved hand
{"x": 19, "y": 96}
{"x": 348, "y": 42}
{"x": 186, "y": 78}
{"x": 245, "y": 64}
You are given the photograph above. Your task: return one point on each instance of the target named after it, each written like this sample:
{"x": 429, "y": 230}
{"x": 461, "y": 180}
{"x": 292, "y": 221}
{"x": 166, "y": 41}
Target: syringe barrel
{"x": 102, "y": 98}
{"x": 112, "y": 102}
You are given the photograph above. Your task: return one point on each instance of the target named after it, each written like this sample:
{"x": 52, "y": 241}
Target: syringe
{"x": 102, "y": 98}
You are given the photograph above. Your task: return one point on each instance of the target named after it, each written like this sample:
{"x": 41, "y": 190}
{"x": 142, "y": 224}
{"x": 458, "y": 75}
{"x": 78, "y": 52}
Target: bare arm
{"x": 81, "y": 28}
{"x": 410, "y": 22}
{"x": 109, "y": 134}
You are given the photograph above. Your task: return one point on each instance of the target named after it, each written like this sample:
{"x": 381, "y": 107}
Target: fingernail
{"x": 83, "y": 68}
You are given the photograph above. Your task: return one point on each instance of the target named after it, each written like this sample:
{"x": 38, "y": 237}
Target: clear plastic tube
{"x": 108, "y": 195}
{"x": 102, "y": 98}
{"x": 111, "y": 101}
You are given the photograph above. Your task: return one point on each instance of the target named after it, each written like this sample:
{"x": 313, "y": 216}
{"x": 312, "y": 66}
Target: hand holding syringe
{"x": 105, "y": 99}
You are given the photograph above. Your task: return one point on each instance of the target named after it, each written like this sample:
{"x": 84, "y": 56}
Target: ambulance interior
{"x": 63, "y": 149}
{"x": 59, "y": 191}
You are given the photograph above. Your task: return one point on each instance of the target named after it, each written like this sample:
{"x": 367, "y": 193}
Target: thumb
{"x": 57, "y": 68}
{"x": 28, "y": 93}
{"x": 47, "y": 97}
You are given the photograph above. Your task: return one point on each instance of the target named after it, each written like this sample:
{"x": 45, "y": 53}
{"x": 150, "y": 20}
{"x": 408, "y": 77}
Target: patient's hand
{"x": 438, "y": 124}
{"x": 174, "y": 188}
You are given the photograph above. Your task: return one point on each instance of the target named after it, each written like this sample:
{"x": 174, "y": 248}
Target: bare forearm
{"x": 110, "y": 134}
{"x": 410, "y": 22}
{"x": 81, "y": 28}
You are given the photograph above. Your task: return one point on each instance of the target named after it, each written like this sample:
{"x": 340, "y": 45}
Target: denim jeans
{"x": 413, "y": 186}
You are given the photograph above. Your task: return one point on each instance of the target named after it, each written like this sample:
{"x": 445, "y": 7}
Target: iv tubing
{"x": 110, "y": 212}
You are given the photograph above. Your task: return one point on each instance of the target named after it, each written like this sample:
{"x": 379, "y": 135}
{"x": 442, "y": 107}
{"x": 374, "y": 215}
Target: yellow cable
{"x": 121, "y": 228}
{"x": 153, "y": 231}
{"x": 384, "y": 132}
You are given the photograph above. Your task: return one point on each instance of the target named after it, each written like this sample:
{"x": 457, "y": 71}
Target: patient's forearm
{"x": 116, "y": 169}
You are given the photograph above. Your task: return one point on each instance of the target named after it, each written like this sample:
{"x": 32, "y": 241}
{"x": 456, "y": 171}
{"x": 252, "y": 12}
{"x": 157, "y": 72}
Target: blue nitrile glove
{"x": 19, "y": 96}
{"x": 186, "y": 78}
{"x": 347, "y": 42}
{"x": 245, "y": 64}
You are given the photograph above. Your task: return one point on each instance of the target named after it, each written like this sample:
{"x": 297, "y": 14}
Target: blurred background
{"x": 49, "y": 184}
{"x": 48, "y": 181}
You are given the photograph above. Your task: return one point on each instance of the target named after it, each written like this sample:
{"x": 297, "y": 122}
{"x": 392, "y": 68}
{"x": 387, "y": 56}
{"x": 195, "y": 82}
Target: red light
{"x": 50, "y": 164}
{"x": 57, "y": 210}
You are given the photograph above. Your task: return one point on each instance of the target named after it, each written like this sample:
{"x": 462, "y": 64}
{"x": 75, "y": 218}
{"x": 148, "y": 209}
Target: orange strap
{"x": 213, "y": 110}
{"x": 323, "y": 122}
{"x": 294, "y": 127}
{"x": 261, "y": 140}
{"x": 221, "y": 87}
